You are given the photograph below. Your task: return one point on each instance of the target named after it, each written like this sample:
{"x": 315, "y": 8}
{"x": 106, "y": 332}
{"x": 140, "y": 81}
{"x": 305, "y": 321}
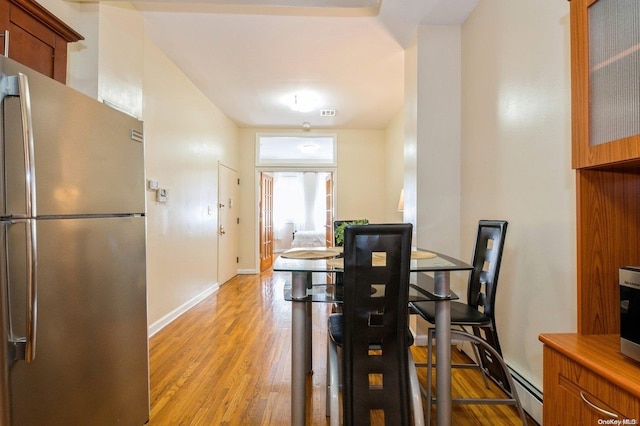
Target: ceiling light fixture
{"x": 304, "y": 101}
{"x": 309, "y": 148}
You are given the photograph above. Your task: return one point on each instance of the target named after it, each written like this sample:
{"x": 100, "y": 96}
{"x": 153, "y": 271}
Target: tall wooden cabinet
{"x": 605, "y": 68}
{"x": 34, "y": 37}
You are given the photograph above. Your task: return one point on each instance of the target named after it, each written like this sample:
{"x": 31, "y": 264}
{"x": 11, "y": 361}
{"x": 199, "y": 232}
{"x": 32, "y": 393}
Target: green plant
{"x": 339, "y": 234}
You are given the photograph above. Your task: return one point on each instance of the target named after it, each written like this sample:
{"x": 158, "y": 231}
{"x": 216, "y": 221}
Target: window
{"x": 292, "y": 150}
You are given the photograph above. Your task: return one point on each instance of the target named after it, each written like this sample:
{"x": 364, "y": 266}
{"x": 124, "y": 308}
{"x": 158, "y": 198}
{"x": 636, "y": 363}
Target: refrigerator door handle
{"x": 18, "y": 85}
{"x": 6, "y": 42}
{"x": 24, "y": 348}
{"x": 32, "y": 291}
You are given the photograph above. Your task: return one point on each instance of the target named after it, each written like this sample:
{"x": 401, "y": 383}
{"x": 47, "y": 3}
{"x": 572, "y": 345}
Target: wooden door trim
{"x": 258, "y": 170}
{"x": 265, "y": 229}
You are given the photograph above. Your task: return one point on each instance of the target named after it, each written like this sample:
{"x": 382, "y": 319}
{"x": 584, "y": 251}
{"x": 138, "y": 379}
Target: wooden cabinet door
{"x": 35, "y": 38}
{"x": 574, "y": 395}
{"x": 605, "y": 84}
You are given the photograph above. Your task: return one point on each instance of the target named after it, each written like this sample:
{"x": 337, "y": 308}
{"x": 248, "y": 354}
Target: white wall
{"x": 432, "y": 145}
{"x": 516, "y": 166}
{"x": 432, "y": 138}
{"x": 186, "y": 137}
{"x": 512, "y": 68}
{"x": 107, "y": 64}
{"x": 410, "y": 170}
{"x": 438, "y": 138}
{"x": 361, "y": 184}
{"x": 120, "y": 57}
{"x": 394, "y": 166}
{"x": 82, "y": 56}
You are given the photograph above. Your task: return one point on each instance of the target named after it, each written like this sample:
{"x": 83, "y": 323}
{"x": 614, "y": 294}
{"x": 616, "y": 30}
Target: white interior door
{"x": 227, "y": 223}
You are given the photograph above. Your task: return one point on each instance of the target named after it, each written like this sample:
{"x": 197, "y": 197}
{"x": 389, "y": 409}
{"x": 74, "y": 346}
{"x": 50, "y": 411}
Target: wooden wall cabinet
{"x": 605, "y": 65}
{"x": 35, "y": 37}
{"x": 605, "y": 85}
{"x": 605, "y": 68}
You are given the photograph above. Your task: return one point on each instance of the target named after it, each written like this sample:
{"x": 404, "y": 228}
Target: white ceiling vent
{"x": 327, "y": 113}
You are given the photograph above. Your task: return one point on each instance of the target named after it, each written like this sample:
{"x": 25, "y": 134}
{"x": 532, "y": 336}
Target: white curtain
{"x": 319, "y": 210}
{"x": 299, "y": 198}
{"x": 287, "y": 209}
{"x": 310, "y": 186}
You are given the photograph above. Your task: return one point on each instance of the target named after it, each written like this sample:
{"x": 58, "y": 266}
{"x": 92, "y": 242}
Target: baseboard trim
{"x": 173, "y": 315}
{"x": 248, "y": 271}
{"x": 421, "y": 339}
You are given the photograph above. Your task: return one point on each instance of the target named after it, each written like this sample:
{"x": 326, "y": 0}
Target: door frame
{"x": 265, "y": 227}
{"x": 256, "y": 200}
{"x": 235, "y": 241}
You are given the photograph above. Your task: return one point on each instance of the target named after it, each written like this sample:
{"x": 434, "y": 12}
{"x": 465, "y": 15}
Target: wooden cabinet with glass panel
{"x": 605, "y": 67}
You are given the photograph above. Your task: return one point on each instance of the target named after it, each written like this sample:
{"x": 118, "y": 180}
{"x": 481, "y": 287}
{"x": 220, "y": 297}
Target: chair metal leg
{"x": 476, "y": 355}
{"x": 429, "y": 374}
{"x": 327, "y": 396}
{"x": 512, "y": 394}
{"x": 416, "y": 396}
{"x": 476, "y": 342}
{"x": 333, "y": 384}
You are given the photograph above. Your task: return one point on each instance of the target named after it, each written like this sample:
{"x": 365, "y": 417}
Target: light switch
{"x": 153, "y": 184}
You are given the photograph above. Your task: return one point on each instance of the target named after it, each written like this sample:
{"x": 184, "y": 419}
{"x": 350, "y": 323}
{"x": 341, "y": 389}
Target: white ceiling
{"x": 248, "y": 56}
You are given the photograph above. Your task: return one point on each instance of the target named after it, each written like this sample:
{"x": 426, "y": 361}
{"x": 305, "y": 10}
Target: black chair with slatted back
{"x": 478, "y": 314}
{"x": 378, "y": 370}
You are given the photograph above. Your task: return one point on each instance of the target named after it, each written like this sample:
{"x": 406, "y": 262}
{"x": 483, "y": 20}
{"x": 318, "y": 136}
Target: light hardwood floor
{"x": 227, "y": 362}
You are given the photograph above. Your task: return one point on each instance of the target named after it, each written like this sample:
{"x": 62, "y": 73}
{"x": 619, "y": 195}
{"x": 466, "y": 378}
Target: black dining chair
{"x": 474, "y": 321}
{"x": 378, "y": 370}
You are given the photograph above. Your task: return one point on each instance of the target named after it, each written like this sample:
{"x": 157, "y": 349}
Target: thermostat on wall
{"x": 161, "y": 195}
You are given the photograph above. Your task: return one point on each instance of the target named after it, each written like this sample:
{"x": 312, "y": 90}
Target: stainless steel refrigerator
{"x": 73, "y": 305}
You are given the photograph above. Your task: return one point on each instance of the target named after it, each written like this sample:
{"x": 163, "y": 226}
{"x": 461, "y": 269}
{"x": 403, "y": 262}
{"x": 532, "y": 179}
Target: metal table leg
{"x": 308, "y": 342}
{"x": 300, "y": 346}
{"x": 443, "y": 348}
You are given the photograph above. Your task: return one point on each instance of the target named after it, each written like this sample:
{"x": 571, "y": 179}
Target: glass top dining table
{"x": 302, "y": 292}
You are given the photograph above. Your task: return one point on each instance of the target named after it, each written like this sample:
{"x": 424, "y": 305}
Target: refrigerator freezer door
{"x": 92, "y": 359}
{"x": 89, "y": 158}
{"x": 5, "y": 353}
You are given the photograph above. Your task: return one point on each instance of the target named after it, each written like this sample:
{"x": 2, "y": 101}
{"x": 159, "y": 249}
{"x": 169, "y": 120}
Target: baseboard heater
{"x": 530, "y": 396}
